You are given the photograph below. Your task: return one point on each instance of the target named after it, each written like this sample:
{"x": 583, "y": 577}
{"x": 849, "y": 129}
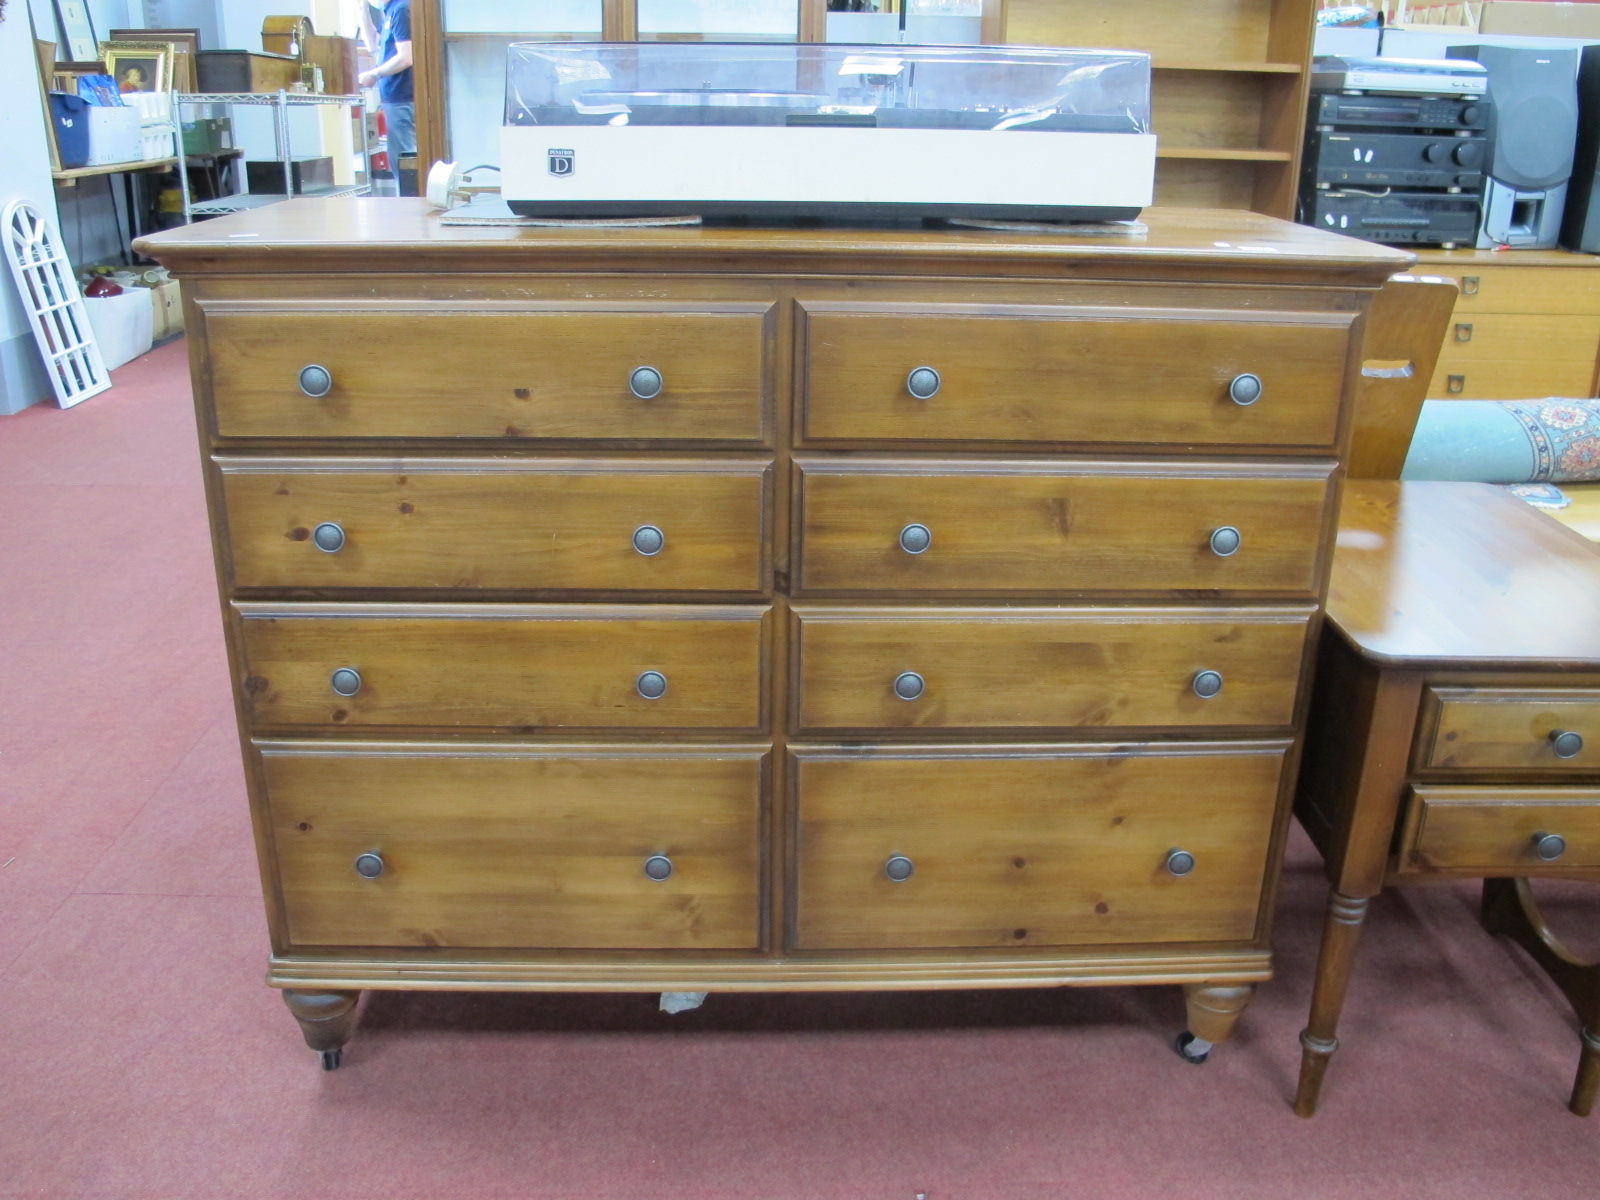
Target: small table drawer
{"x": 1535, "y": 338}
{"x": 598, "y": 847}
{"x": 1488, "y": 729}
{"x": 522, "y": 667}
{"x": 1034, "y": 527}
{"x": 1501, "y": 831}
{"x": 546, "y": 374}
{"x": 1032, "y": 846}
{"x": 886, "y": 669}
{"x": 1084, "y": 375}
{"x": 469, "y": 524}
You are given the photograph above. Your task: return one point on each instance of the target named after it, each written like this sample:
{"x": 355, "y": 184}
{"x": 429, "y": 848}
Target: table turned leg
{"x": 1341, "y": 932}
{"x": 1214, "y": 1010}
{"x": 1510, "y": 909}
{"x": 327, "y": 1019}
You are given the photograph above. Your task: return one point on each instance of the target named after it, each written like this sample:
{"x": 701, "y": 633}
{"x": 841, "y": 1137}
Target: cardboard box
{"x": 167, "y": 310}
{"x": 1543, "y": 19}
{"x": 114, "y": 136}
{"x": 123, "y": 325}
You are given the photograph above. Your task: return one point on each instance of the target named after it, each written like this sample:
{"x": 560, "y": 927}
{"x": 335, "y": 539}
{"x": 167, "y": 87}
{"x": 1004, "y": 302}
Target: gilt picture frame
{"x": 139, "y": 66}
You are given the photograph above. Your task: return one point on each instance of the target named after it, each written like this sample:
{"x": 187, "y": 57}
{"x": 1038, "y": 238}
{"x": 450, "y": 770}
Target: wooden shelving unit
{"x": 1229, "y": 91}
{"x": 1229, "y": 87}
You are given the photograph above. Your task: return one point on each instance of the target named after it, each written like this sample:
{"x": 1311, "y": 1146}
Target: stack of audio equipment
{"x": 1396, "y": 150}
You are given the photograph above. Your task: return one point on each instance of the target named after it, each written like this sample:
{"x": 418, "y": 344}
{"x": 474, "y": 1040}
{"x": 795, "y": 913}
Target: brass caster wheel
{"x": 331, "y": 1059}
{"x": 1192, "y": 1049}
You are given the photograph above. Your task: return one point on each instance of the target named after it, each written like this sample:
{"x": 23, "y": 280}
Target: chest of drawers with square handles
{"x": 737, "y": 610}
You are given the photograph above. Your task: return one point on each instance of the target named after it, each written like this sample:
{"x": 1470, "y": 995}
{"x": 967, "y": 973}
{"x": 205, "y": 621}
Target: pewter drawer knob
{"x": 648, "y": 540}
{"x": 645, "y": 383}
{"x": 908, "y": 685}
{"x": 1225, "y": 540}
{"x": 1566, "y": 743}
{"x": 328, "y": 537}
{"x": 1245, "y": 389}
{"x": 914, "y": 539}
{"x": 1549, "y": 846}
{"x": 1207, "y": 684}
{"x": 923, "y": 383}
{"x": 898, "y": 868}
{"x": 346, "y": 681}
{"x": 1180, "y": 862}
{"x": 369, "y": 865}
{"x": 652, "y": 685}
{"x": 316, "y": 381}
{"x": 658, "y": 867}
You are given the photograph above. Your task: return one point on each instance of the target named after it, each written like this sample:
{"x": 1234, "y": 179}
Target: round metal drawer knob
{"x": 1245, "y": 389}
{"x": 648, "y": 540}
{"x": 1207, "y": 684}
{"x": 316, "y": 381}
{"x": 346, "y": 681}
{"x": 652, "y": 685}
{"x": 1180, "y": 862}
{"x": 645, "y": 383}
{"x": 923, "y": 383}
{"x": 898, "y": 868}
{"x": 1225, "y": 540}
{"x": 328, "y": 537}
{"x": 1566, "y": 743}
{"x": 1549, "y": 846}
{"x": 914, "y": 539}
{"x": 908, "y": 685}
{"x": 658, "y": 867}
{"x": 369, "y": 865}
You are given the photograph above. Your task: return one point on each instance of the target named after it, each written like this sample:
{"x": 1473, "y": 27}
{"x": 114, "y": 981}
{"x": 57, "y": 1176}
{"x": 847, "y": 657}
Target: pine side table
{"x": 1455, "y": 728}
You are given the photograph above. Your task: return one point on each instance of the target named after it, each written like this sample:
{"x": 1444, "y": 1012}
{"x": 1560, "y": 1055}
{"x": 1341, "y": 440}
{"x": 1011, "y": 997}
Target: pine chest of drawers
{"x": 698, "y": 609}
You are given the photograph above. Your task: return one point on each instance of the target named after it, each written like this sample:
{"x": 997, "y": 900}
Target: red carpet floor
{"x": 142, "y": 1057}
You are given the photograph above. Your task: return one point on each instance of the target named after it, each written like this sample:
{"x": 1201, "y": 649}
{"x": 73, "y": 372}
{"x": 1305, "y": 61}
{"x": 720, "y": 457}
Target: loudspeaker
{"x": 1535, "y": 128}
{"x": 1580, "y": 227}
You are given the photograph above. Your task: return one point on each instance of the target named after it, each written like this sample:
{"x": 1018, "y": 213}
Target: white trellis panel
{"x": 55, "y": 306}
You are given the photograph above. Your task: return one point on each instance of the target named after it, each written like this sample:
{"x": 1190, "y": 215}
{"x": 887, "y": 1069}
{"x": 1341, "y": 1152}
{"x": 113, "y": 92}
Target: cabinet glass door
{"x": 476, "y": 34}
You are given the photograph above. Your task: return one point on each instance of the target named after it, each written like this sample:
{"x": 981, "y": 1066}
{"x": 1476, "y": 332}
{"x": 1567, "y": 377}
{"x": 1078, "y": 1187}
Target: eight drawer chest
{"x": 735, "y": 609}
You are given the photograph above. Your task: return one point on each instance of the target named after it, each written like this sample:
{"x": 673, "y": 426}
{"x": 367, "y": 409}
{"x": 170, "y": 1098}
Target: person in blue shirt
{"x": 390, "y": 44}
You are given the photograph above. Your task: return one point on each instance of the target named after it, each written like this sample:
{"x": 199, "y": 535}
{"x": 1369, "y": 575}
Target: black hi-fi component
{"x": 1399, "y": 218}
{"x": 1404, "y": 169}
{"x": 1400, "y": 113}
{"x": 1394, "y": 160}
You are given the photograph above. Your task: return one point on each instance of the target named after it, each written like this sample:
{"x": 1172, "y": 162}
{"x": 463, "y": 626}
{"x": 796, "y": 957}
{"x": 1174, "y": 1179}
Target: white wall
{"x": 24, "y": 175}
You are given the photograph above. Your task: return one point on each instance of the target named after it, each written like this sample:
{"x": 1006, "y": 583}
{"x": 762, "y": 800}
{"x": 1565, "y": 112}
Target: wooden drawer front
{"x": 437, "y": 373}
{"x": 1536, "y": 338}
{"x": 1511, "y": 728}
{"x": 1032, "y": 846}
{"x": 505, "y": 666}
{"x": 1509, "y": 289}
{"x": 989, "y": 668}
{"x": 1033, "y": 528}
{"x": 1497, "y": 831}
{"x": 467, "y": 524}
{"x": 1509, "y": 378}
{"x": 1073, "y": 375}
{"x": 509, "y": 847}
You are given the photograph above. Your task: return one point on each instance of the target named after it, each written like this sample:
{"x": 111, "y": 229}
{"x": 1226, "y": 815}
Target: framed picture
{"x": 184, "y": 42}
{"x": 77, "y": 30}
{"x": 139, "y": 66}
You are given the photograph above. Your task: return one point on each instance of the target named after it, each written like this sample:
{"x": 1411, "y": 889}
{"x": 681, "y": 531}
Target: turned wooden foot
{"x": 1214, "y": 1010}
{"x": 1341, "y": 931}
{"x": 1510, "y": 909}
{"x": 327, "y": 1019}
